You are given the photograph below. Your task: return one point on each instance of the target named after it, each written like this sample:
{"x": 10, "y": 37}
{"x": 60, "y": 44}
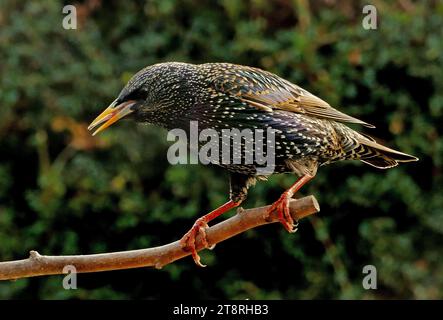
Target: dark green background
{"x": 65, "y": 192}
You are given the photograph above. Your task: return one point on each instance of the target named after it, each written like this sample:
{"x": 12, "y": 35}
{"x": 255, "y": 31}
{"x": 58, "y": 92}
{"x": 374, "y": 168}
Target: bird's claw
{"x": 188, "y": 240}
{"x": 282, "y": 208}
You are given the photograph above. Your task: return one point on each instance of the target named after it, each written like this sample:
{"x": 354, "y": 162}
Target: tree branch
{"x": 38, "y": 265}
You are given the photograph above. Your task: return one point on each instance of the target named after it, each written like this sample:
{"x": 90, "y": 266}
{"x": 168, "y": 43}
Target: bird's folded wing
{"x": 268, "y": 92}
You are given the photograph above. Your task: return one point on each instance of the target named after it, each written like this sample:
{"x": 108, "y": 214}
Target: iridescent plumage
{"x": 309, "y": 132}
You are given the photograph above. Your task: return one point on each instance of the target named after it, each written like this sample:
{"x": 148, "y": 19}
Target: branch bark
{"x": 39, "y": 265}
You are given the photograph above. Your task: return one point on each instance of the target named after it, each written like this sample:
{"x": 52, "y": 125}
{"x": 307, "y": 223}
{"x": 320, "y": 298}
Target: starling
{"x": 308, "y": 132}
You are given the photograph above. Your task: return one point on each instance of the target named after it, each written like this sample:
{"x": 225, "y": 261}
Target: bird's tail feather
{"x": 382, "y": 157}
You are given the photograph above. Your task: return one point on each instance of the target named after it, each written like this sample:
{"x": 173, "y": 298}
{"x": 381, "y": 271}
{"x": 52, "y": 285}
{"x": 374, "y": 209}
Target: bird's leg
{"x": 282, "y": 204}
{"x": 188, "y": 240}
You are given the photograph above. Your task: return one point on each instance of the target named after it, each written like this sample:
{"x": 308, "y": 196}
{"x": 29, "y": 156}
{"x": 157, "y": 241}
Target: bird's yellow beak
{"x": 112, "y": 114}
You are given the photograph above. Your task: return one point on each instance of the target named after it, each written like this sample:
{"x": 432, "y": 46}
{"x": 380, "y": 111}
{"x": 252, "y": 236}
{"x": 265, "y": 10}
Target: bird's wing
{"x": 266, "y": 91}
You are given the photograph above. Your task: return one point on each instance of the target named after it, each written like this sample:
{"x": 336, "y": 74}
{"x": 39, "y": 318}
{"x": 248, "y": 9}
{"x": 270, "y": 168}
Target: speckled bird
{"x": 308, "y": 132}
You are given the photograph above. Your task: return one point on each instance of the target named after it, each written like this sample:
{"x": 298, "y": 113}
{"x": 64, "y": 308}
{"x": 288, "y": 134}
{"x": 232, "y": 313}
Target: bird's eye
{"x": 137, "y": 95}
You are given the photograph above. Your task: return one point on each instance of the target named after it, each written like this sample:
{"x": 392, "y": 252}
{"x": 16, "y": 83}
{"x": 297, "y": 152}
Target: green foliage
{"x": 65, "y": 192}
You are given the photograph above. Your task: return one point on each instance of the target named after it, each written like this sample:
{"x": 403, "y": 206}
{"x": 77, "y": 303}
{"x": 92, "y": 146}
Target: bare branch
{"x": 38, "y": 265}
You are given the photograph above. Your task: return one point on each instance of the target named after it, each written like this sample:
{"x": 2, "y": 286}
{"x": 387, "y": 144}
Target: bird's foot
{"x": 282, "y": 208}
{"x": 188, "y": 240}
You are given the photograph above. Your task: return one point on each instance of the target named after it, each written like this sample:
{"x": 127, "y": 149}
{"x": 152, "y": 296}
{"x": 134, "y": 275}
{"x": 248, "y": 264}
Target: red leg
{"x": 188, "y": 240}
{"x": 282, "y": 204}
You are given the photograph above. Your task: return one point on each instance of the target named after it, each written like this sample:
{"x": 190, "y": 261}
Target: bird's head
{"x": 146, "y": 97}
